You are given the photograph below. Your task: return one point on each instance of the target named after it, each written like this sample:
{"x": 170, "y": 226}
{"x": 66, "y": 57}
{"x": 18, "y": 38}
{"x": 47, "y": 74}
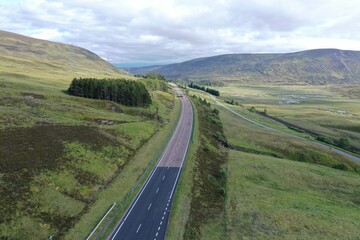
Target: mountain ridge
{"x": 317, "y": 66}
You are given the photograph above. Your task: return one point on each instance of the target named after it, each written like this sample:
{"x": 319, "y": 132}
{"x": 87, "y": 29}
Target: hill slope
{"x": 38, "y": 58}
{"x": 313, "y": 66}
{"x": 63, "y": 158}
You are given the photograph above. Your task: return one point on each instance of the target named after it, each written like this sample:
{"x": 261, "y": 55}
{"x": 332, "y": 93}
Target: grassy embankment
{"x": 62, "y": 156}
{"x": 331, "y": 112}
{"x": 276, "y": 197}
{"x": 200, "y": 201}
{"x": 119, "y": 190}
{"x": 271, "y": 198}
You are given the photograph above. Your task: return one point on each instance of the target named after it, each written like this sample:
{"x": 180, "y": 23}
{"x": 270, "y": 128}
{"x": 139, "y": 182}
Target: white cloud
{"x": 160, "y": 31}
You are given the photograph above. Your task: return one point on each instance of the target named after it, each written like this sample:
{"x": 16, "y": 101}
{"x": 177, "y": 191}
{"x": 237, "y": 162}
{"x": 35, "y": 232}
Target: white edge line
{"x": 187, "y": 147}
{"x": 148, "y": 180}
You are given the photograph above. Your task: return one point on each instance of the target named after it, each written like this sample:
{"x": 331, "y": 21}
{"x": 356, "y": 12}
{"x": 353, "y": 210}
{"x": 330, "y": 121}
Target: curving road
{"x": 353, "y": 157}
{"x": 148, "y": 215}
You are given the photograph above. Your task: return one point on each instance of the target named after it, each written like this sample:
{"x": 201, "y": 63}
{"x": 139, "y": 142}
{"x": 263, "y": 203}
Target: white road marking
{"x": 170, "y": 145}
{"x": 157, "y": 190}
{"x": 158, "y": 228}
{"x": 138, "y": 228}
{"x": 163, "y": 177}
{"x": 149, "y": 206}
{"x": 161, "y": 223}
{"x": 157, "y": 234}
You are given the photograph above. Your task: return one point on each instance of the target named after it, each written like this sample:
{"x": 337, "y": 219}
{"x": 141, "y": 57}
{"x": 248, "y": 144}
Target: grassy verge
{"x": 202, "y": 185}
{"x": 120, "y": 188}
{"x": 271, "y": 198}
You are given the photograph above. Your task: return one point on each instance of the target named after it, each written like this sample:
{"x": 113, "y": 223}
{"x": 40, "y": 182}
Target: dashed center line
{"x": 138, "y": 228}
{"x": 163, "y": 177}
{"x": 149, "y": 206}
{"x": 157, "y": 190}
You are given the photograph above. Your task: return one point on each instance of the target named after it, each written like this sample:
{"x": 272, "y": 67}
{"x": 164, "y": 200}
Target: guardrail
{"x": 93, "y": 231}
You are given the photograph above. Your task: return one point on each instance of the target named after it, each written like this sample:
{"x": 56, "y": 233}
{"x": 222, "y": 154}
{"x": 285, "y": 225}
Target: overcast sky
{"x": 166, "y": 31}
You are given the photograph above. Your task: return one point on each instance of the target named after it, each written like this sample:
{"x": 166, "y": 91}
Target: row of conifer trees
{"x": 126, "y": 92}
{"x": 208, "y": 90}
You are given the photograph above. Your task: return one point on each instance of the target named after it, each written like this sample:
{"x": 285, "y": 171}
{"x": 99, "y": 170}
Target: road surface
{"x": 353, "y": 157}
{"x": 148, "y": 215}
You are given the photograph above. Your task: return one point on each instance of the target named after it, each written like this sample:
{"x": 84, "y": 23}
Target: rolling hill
{"x": 317, "y": 66}
{"x": 63, "y": 158}
{"x": 22, "y": 56}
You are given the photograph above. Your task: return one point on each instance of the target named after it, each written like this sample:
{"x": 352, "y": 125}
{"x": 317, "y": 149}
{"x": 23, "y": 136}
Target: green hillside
{"x": 23, "y": 56}
{"x": 318, "y": 66}
{"x": 277, "y": 186}
{"x": 63, "y": 158}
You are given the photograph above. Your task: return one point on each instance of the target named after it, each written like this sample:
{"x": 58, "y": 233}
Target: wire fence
{"x": 138, "y": 183}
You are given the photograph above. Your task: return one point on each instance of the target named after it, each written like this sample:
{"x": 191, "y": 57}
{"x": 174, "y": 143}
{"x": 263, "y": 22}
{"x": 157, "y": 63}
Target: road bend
{"x": 148, "y": 215}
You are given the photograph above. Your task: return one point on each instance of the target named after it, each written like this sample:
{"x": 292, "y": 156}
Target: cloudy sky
{"x": 164, "y": 31}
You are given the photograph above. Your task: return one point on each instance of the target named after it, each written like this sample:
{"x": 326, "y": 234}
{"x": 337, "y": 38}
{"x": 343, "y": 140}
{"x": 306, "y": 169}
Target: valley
{"x": 277, "y": 186}
{"x": 324, "y": 113}
{"x": 66, "y": 159}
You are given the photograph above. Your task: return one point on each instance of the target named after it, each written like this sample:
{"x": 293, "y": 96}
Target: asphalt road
{"x": 148, "y": 215}
{"x": 353, "y": 157}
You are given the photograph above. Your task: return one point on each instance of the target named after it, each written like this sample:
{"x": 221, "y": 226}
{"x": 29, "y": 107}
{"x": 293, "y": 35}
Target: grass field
{"x": 271, "y": 198}
{"x": 122, "y": 185}
{"x": 331, "y": 111}
{"x": 59, "y": 152}
{"x": 277, "y": 187}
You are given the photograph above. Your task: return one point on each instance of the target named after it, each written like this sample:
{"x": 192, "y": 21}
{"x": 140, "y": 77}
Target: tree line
{"x": 155, "y": 76}
{"x": 126, "y": 92}
{"x": 208, "y": 90}
{"x": 210, "y": 83}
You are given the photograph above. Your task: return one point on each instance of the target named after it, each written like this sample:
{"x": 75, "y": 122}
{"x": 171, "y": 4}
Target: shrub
{"x": 343, "y": 142}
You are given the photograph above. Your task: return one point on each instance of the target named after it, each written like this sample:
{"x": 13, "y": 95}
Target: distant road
{"x": 353, "y": 157}
{"x": 148, "y": 215}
